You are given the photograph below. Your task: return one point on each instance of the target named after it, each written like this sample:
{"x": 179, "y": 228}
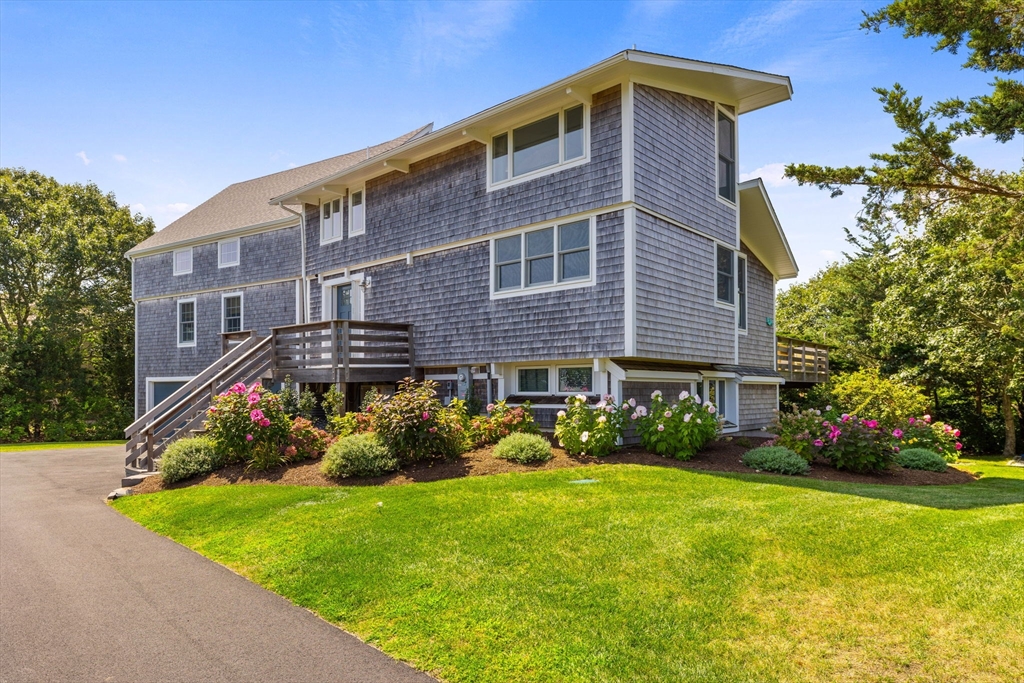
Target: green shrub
{"x": 415, "y": 426}
{"x": 799, "y": 430}
{"x": 523, "y": 448}
{"x": 921, "y": 459}
{"x": 938, "y": 437}
{"x": 500, "y": 422}
{"x": 350, "y": 423}
{"x": 307, "y": 403}
{"x": 677, "y": 430}
{"x": 856, "y": 445}
{"x": 776, "y": 459}
{"x": 889, "y": 401}
{"x": 289, "y": 399}
{"x": 582, "y": 430}
{"x": 249, "y": 424}
{"x": 358, "y": 455}
{"x": 190, "y": 457}
{"x": 333, "y": 402}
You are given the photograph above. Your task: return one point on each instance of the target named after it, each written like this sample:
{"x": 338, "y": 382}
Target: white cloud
{"x": 770, "y": 174}
{"x": 85, "y": 160}
{"x": 758, "y": 29}
{"x": 177, "y": 207}
{"x": 120, "y": 157}
{"x": 138, "y": 208}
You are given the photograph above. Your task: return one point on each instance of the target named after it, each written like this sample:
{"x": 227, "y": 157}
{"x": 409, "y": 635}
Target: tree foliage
{"x": 66, "y": 314}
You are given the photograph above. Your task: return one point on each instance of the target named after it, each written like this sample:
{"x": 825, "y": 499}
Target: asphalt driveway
{"x": 88, "y": 595}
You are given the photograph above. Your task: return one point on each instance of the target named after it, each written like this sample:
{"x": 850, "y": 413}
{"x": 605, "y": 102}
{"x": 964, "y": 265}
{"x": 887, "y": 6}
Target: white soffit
{"x": 761, "y": 232}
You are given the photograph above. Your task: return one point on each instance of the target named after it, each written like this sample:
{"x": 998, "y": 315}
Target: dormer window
{"x": 357, "y": 213}
{"x": 542, "y": 145}
{"x": 331, "y": 219}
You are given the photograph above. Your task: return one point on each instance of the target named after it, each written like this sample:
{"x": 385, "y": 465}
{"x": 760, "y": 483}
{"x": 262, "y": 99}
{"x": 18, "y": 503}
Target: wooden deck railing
{"x": 800, "y": 361}
{"x": 185, "y": 409}
{"x": 337, "y": 351}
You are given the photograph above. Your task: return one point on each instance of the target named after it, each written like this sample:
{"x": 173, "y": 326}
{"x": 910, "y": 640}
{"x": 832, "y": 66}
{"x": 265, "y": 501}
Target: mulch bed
{"x": 720, "y": 456}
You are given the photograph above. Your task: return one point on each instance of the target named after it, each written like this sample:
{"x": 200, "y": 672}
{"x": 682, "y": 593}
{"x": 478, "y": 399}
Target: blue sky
{"x": 165, "y": 104}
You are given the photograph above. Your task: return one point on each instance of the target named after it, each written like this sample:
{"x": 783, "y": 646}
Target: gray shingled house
{"x": 587, "y": 237}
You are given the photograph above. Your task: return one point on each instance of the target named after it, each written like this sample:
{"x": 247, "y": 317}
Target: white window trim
{"x": 714, "y": 278}
{"x": 150, "y": 381}
{"x": 732, "y": 396}
{"x": 546, "y": 368}
{"x": 341, "y": 232}
{"x": 221, "y": 263}
{"x": 526, "y": 290}
{"x": 734, "y": 203}
{"x": 195, "y": 323}
{"x": 547, "y": 170}
{"x": 328, "y": 304}
{"x": 174, "y": 261}
{"x": 351, "y": 208}
{"x": 223, "y": 309}
{"x": 746, "y": 278}
{"x": 593, "y": 379}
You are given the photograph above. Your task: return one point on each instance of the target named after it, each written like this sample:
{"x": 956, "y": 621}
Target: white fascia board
{"x": 661, "y": 375}
{"x": 277, "y": 224}
{"x": 757, "y": 185}
{"x": 754, "y": 379}
{"x": 407, "y": 151}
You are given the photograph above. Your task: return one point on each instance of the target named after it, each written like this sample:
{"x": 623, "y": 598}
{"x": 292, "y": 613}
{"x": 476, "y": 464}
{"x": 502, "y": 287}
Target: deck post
{"x": 334, "y": 350}
{"x": 412, "y": 354}
{"x": 149, "y": 450}
{"x": 345, "y": 348}
{"x": 789, "y": 356}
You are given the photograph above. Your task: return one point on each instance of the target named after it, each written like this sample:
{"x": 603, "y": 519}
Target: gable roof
{"x": 245, "y": 205}
{"x": 761, "y": 231}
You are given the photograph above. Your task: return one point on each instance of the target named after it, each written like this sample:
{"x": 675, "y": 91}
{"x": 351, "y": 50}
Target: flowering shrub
{"x": 248, "y": 424}
{"x": 581, "y": 430}
{"x": 350, "y": 423}
{"x": 678, "y": 430}
{"x": 800, "y": 430}
{"x": 305, "y": 441}
{"x": 921, "y": 432}
{"x": 500, "y": 422}
{"x": 856, "y": 445}
{"x": 414, "y": 425}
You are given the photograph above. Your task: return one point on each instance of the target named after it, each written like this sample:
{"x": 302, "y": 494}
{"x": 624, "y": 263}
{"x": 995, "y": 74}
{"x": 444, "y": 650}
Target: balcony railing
{"x": 338, "y": 351}
{"x": 801, "y": 361}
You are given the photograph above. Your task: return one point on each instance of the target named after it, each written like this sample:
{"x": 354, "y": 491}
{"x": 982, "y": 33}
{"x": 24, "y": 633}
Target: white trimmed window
{"x": 725, "y": 275}
{"x": 357, "y": 212}
{"x": 330, "y": 220}
{"x": 550, "y": 257}
{"x": 231, "y": 305}
{"x": 186, "y": 322}
{"x": 576, "y": 380}
{"x": 741, "y": 291}
{"x": 183, "y": 261}
{"x": 540, "y": 146}
{"x": 726, "y": 156}
{"x": 532, "y": 381}
{"x": 228, "y": 253}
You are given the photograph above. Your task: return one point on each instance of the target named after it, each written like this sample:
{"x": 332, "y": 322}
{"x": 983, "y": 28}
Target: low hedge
{"x": 358, "y": 455}
{"x": 921, "y": 459}
{"x": 776, "y": 459}
{"x": 523, "y": 448}
{"x": 189, "y": 458}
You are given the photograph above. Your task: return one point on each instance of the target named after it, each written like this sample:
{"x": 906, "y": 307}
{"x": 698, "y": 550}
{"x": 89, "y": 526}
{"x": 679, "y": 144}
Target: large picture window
{"x": 549, "y": 142}
{"x": 544, "y": 257}
{"x": 725, "y": 274}
{"x": 726, "y": 157}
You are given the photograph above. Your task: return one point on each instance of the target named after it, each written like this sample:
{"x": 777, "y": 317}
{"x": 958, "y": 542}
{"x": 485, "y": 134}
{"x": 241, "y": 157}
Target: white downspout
{"x": 304, "y": 309}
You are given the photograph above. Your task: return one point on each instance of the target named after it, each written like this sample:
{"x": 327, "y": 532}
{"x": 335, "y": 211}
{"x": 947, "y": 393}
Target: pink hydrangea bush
{"x": 501, "y": 421}
{"x": 248, "y": 424}
{"x": 678, "y": 429}
{"x": 801, "y": 431}
{"x": 856, "y": 445}
{"x": 922, "y": 432}
{"x": 585, "y": 430}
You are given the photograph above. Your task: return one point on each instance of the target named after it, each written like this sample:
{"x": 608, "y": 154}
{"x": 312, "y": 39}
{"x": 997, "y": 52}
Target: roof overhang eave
{"x": 768, "y": 89}
{"x": 275, "y": 224}
{"x": 762, "y": 232}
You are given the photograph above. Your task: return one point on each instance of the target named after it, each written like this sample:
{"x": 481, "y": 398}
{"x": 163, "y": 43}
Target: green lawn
{"x": 44, "y": 446}
{"x": 650, "y": 574}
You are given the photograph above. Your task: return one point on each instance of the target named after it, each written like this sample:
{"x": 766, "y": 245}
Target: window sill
{"x": 330, "y": 241}
{"x": 725, "y": 305}
{"x": 357, "y": 234}
{"x": 186, "y": 345}
{"x": 527, "y": 291}
{"x": 728, "y": 202}
{"x": 540, "y": 173}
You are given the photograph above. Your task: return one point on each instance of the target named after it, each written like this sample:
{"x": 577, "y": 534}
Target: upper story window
{"x": 232, "y": 304}
{"x": 228, "y": 253}
{"x": 725, "y": 283}
{"x": 548, "y": 143}
{"x": 357, "y": 213}
{"x": 726, "y": 157}
{"x": 546, "y": 257}
{"x": 183, "y": 261}
{"x": 330, "y": 218}
{"x": 741, "y": 291}
{"x": 187, "y": 322}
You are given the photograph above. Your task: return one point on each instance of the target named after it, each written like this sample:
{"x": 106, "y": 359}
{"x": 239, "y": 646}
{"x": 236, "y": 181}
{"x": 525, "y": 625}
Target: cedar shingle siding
{"x": 757, "y": 346}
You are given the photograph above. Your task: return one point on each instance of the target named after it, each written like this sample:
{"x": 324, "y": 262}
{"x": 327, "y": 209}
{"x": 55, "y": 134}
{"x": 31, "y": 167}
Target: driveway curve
{"x": 88, "y": 595}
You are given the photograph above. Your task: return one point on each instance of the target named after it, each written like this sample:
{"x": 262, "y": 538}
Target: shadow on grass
{"x": 989, "y": 491}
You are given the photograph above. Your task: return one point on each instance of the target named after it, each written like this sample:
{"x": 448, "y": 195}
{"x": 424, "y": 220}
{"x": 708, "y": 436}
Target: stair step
{"x": 135, "y": 477}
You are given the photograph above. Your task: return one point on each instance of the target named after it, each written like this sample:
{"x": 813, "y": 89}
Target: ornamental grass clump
{"x": 582, "y": 430}
{"x": 358, "y": 455}
{"x": 248, "y": 424}
{"x": 938, "y": 437}
{"x": 501, "y": 421}
{"x": 189, "y": 458}
{"x": 776, "y": 459}
{"x": 921, "y": 459}
{"x": 415, "y": 426}
{"x": 523, "y": 448}
{"x": 678, "y": 430}
{"x": 856, "y": 445}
